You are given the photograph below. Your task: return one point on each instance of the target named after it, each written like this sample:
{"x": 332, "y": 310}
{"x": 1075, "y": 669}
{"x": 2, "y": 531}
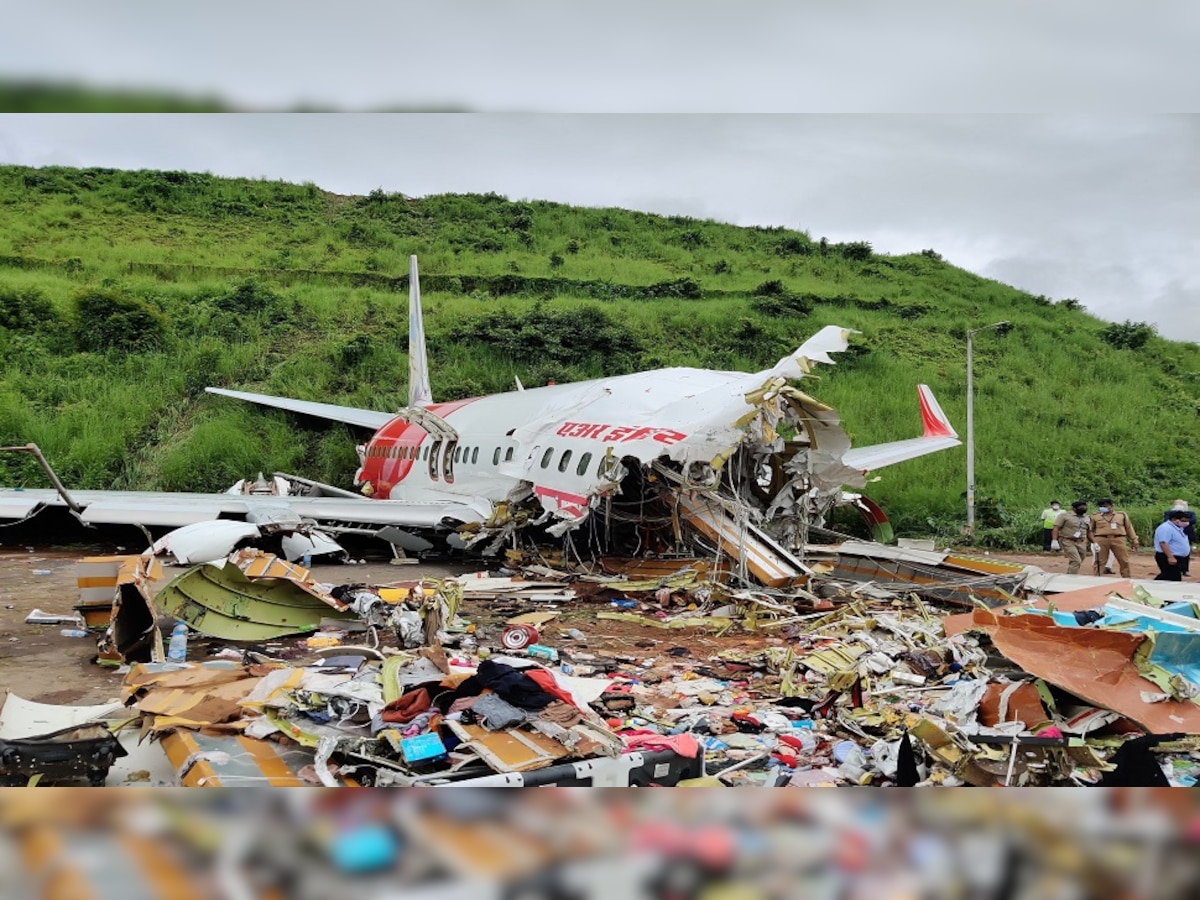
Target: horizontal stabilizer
{"x": 363, "y": 418}
{"x": 867, "y": 459}
{"x": 938, "y": 434}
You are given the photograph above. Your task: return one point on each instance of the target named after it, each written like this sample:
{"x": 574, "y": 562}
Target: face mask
{"x": 1103, "y": 509}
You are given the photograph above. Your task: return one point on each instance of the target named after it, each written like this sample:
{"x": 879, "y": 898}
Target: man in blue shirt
{"x": 1171, "y": 546}
{"x": 1189, "y": 530}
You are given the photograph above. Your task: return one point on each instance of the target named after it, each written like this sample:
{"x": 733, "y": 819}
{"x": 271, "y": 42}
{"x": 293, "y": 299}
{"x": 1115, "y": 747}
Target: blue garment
{"x": 1172, "y": 535}
{"x": 1190, "y": 528}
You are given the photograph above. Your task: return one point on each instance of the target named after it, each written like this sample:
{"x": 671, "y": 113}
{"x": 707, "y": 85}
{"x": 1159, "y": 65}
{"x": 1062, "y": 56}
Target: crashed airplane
{"x": 621, "y": 460}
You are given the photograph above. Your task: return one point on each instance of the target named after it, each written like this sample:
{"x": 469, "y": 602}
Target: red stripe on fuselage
{"x": 394, "y": 448}
{"x": 572, "y": 503}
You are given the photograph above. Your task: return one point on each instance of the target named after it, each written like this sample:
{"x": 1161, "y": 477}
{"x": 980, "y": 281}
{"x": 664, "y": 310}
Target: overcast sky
{"x": 1051, "y": 145}
{"x": 1103, "y": 208}
{"x": 627, "y": 55}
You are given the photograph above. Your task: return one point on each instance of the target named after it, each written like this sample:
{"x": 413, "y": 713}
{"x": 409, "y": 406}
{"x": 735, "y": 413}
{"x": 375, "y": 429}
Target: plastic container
{"x": 73, "y": 632}
{"x": 541, "y": 651}
{"x": 423, "y": 749}
{"x": 177, "y": 649}
{"x": 576, "y": 635}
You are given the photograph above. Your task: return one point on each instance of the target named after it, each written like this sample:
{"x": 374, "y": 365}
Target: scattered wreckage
{"x": 882, "y": 665}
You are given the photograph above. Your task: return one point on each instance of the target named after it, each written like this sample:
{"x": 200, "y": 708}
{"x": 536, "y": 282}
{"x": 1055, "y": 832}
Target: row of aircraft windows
{"x": 461, "y": 454}
{"x": 564, "y": 461}
{"x": 471, "y": 455}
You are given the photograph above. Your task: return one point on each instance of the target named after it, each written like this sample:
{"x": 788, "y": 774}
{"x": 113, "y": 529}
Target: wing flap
{"x": 15, "y": 506}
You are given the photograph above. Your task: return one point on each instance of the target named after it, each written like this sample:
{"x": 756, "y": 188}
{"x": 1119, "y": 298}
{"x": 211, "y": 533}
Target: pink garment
{"x": 643, "y": 739}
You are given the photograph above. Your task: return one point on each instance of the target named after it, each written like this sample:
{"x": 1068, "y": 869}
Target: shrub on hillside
{"x": 25, "y": 309}
{"x": 683, "y": 288}
{"x": 772, "y": 299}
{"x": 571, "y": 337}
{"x": 247, "y": 298}
{"x": 1127, "y": 335}
{"x": 858, "y": 250}
{"x": 794, "y": 245}
{"x": 110, "y": 320}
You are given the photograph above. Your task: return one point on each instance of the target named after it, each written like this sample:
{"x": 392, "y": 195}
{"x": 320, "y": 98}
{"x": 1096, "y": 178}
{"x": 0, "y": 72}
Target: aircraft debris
{"x": 823, "y": 680}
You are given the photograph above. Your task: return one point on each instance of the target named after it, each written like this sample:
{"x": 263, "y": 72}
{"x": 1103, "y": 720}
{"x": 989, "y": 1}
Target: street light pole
{"x": 969, "y": 531}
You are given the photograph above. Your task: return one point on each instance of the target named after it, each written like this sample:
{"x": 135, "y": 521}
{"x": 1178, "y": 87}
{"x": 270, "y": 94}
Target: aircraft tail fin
{"x": 935, "y": 421}
{"x": 419, "y": 391}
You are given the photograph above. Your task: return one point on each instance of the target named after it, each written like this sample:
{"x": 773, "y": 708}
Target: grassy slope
{"x": 537, "y": 290}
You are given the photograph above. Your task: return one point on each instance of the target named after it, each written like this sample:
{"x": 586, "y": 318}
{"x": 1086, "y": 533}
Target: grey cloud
{"x": 628, "y": 55}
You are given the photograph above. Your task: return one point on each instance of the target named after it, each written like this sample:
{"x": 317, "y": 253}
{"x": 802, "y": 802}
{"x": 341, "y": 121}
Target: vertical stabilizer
{"x": 419, "y": 391}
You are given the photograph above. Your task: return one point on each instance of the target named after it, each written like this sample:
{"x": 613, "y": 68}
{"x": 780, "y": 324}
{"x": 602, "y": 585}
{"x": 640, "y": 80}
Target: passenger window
{"x": 584, "y": 462}
{"x": 564, "y": 461}
{"x": 496, "y": 457}
{"x": 448, "y": 460}
{"x": 546, "y": 457}
{"x": 474, "y": 455}
{"x": 509, "y": 455}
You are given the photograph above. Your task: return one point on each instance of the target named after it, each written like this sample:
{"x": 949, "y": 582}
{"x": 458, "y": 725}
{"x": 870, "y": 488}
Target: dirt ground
{"x": 38, "y": 663}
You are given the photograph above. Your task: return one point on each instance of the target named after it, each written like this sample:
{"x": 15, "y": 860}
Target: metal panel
{"x": 14, "y": 506}
{"x": 150, "y": 512}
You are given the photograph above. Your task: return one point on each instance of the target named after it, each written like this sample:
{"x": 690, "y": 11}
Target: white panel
{"x": 17, "y": 507}
{"x": 150, "y": 512}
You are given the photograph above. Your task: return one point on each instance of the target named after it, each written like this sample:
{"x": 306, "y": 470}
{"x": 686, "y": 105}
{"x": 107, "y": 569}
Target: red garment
{"x": 547, "y": 682}
{"x": 408, "y": 706}
{"x": 642, "y": 739}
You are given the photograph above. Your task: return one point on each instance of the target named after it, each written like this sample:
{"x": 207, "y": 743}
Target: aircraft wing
{"x": 877, "y": 456}
{"x": 148, "y": 508}
{"x": 939, "y": 435}
{"x": 364, "y": 418}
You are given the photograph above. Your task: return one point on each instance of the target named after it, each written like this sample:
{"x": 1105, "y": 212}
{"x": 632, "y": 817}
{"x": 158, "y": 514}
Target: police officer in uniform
{"x": 1073, "y": 531}
{"x": 1111, "y": 528}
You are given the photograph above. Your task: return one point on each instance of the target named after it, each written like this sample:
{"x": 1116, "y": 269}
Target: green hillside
{"x": 123, "y": 294}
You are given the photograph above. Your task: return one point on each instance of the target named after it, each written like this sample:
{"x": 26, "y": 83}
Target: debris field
{"x": 879, "y": 665}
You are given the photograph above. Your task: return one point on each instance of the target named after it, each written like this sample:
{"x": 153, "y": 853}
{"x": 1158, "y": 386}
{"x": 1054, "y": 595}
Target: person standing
{"x": 1049, "y": 514}
{"x": 1171, "y": 545}
{"x": 1073, "y": 531}
{"x": 1111, "y": 528}
{"x": 1189, "y": 532}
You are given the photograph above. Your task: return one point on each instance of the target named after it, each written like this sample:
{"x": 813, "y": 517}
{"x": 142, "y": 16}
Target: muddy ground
{"x": 38, "y": 663}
